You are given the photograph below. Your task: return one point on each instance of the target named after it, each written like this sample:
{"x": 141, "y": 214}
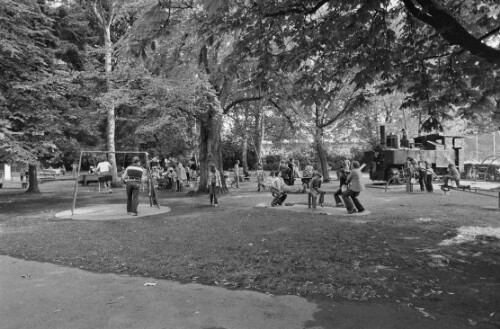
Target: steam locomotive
{"x": 386, "y": 161}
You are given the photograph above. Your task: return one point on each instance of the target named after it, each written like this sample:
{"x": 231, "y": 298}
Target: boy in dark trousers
{"x": 316, "y": 190}
{"x": 343, "y": 173}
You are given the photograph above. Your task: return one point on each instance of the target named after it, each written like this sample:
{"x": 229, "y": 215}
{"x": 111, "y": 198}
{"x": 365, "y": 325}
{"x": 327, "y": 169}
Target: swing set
{"x": 153, "y": 201}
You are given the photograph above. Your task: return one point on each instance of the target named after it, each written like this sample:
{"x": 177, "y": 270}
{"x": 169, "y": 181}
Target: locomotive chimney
{"x": 382, "y": 135}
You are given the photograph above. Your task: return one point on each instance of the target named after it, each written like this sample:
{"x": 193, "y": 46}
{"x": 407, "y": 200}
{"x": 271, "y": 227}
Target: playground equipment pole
{"x": 76, "y": 184}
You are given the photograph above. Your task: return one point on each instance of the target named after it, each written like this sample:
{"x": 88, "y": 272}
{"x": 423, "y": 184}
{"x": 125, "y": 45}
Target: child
{"x": 260, "y": 178}
{"x": 453, "y": 175}
{"x": 342, "y": 174}
{"x": 316, "y": 189}
{"x": 279, "y": 189}
{"x": 214, "y": 184}
{"x": 236, "y": 174}
{"x": 409, "y": 170}
{"x": 307, "y": 174}
{"x": 104, "y": 173}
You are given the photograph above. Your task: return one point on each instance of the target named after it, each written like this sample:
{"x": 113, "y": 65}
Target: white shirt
{"x": 104, "y": 167}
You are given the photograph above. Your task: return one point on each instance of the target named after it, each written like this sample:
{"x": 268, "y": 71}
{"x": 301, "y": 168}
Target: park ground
{"x": 435, "y": 255}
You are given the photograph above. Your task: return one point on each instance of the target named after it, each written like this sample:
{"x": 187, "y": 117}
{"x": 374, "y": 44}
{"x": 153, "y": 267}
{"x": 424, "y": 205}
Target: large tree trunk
{"x": 259, "y": 133}
{"x": 244, "y": 151}
{"x": 318, "y": 141}
{"x": 108, "y": 48}
{"x": 33, "y": 179}
{"x": 210, "y": 148}
{"x": 244, "y": 155}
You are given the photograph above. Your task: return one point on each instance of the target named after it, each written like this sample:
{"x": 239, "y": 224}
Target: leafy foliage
{"x": 381, "y": 41}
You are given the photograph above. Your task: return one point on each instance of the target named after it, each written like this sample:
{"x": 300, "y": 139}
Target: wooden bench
{"x": 86, "y": 179}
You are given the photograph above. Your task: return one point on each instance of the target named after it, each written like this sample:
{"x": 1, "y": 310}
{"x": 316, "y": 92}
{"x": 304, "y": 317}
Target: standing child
{"x": 214, "y": 184}
{"x": 316, "y": 190}
{"x": 260, "y": 178}
{"x": 409, "y": 170}
{"x": 342, "y": 174}
{"x": 236, "y": 174}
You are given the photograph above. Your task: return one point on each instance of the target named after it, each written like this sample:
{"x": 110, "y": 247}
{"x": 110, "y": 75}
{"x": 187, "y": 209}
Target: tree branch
{"x": 347, "y": 108}
{"x": 100, "y": 19}
{"x": 449, "y": 28}
{"x": 239, "y": 101}
{"x": 287, "y": 117}
{"x": 298, "y": 9}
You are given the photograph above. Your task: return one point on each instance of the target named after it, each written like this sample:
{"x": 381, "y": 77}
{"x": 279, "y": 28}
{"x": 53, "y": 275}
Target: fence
{"x": 478, "y": 147}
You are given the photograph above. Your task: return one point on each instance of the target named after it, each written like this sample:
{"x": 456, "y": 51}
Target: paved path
{"x": 47, "y": 296}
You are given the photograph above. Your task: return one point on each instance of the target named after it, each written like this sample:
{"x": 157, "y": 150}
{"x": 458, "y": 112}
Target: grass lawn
{"x": 393, "y": 255}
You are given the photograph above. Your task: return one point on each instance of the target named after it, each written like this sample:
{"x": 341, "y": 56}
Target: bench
{"x": 86, "y": 179}
{"x": 46, "y": 175}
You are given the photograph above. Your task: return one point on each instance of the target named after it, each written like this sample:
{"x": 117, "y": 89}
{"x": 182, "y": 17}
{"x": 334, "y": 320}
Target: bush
{"x": 484, "y": 172}
{"x": 271, "y": 162}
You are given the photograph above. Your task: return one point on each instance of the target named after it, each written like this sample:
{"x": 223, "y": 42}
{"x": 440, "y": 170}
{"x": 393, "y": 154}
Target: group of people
{"x": 423, "y": 170}
{"x": 282, "y": 181}
{"x": 351, "y": 185}
{"x": 173, "y": 172}
{"x": 425, "y": 174}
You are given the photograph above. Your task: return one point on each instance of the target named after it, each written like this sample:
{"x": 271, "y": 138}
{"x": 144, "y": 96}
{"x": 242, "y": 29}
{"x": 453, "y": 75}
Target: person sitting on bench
{"x": 453, "y": 175}
{"x": 280, "y": 190}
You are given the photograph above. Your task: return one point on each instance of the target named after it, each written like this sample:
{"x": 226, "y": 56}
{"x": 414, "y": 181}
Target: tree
{"x": 456, "y": 33}
{"x": 384, "y": 41}
{"x": 33, "y": 84}
{"x": 111, "y": 14}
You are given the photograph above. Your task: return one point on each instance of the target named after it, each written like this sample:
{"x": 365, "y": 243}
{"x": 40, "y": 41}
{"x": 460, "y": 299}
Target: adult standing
{"x": 132, "y": 177}
{"x": 214, "y": 184}
{"x": 74, "y": 169}
{"x": 430, "y": 177}
{"x": 181, "y": 176}
{"x": 356, "y": 186}
{"x": 104, "y": 173}
{"x": 284, "y": 172}
{"x": 236, "y": 174}
{"x": 422, "y": 165}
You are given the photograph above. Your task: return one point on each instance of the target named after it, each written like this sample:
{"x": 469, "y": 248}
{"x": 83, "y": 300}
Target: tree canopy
{"x": 167, "y": 74}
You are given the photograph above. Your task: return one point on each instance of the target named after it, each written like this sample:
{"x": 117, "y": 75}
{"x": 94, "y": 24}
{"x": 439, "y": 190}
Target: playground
{"x": 433, "y": 258}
